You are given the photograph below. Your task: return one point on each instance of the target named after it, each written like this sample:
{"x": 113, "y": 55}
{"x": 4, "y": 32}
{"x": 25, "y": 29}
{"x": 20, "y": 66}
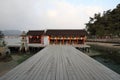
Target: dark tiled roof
{"x": 64, "y": 32}
{"x": 35, "y": 32}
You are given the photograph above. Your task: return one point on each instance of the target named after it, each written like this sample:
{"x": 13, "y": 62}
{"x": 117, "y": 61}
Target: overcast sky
{"x": 50, "y": 14}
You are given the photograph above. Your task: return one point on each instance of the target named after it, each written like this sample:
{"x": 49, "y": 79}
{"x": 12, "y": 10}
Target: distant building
{"x": 35, "y": 36}
{"x": 56, "y": 36}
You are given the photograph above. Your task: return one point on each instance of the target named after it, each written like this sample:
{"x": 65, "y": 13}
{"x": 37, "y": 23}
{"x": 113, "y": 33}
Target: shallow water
{"x": 107, "y": 62}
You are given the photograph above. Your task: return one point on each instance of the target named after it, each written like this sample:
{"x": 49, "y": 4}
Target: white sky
{"x": 50, "y": 14}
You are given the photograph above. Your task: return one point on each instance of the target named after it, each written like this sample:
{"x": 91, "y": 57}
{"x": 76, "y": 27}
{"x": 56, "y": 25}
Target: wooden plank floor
{"x": 60, "y": 63}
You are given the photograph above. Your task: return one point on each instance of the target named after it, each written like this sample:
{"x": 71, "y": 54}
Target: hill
{"x": 12, "y": 32}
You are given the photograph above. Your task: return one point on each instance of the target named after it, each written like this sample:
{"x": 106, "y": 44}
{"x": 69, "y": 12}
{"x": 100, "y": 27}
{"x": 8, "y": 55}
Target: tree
{"x": 107, "y": 24}
{"x": 1, "y": 34}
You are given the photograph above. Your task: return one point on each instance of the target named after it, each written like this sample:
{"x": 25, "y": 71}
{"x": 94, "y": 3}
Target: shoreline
{"x": 16, "y": 59}
{"x": 108, "y": 50}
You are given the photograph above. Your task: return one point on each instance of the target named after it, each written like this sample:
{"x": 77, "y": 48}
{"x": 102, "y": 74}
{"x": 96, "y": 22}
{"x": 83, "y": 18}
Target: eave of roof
{"x": 35, "y": 32}
{"x": 66, "y": 32}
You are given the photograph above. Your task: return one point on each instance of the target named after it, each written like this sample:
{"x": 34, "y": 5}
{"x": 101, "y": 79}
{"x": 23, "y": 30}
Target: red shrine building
{"x": 35, "y": 36}
{"x": 57, "y": 36}
{"x": 66, "y": 36}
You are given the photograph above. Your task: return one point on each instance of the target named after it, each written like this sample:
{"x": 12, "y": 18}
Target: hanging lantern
{"x": 37, "y": 36}
{"x": 30, "y": 36}
{"x": 81, "y": 38}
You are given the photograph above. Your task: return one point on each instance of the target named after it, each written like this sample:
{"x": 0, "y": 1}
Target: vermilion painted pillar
{"x": 40, "y": 37}
{"x": 83, "y": 40}
{"x": 77, "y": 40}
{"x": 56, "y": 40}
{"x": 70, "y": 40}
{"x": 49, "y": 39}
{"x": 63, "y": 40}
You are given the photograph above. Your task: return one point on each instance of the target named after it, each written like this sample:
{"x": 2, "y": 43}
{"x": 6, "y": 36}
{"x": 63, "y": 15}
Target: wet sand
{"x": 107, "y": 45}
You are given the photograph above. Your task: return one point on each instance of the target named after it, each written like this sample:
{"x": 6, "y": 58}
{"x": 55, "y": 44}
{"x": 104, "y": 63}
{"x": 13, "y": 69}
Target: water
{"x": 107, "y": 62}
{"x": 15, "y": 40}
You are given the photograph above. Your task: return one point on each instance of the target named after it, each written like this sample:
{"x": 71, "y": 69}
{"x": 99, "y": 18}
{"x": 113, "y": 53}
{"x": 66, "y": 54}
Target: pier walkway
{"x": 58, "y": 62}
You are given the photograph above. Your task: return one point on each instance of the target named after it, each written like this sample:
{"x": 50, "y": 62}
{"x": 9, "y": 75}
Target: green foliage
{"x": 1, "y": 34}
{"x": 23, "y": 58}
{"x": 106, "y": 24}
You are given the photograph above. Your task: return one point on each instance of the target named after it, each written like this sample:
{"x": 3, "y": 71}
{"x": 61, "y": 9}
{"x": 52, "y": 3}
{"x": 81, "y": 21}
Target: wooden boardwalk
{"x": 60, "y": 63}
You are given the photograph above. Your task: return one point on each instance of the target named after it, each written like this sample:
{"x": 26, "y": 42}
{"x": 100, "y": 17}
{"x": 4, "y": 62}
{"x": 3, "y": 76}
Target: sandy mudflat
{"x": 108, "y": 45}
{"x": 7, "y": 66}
